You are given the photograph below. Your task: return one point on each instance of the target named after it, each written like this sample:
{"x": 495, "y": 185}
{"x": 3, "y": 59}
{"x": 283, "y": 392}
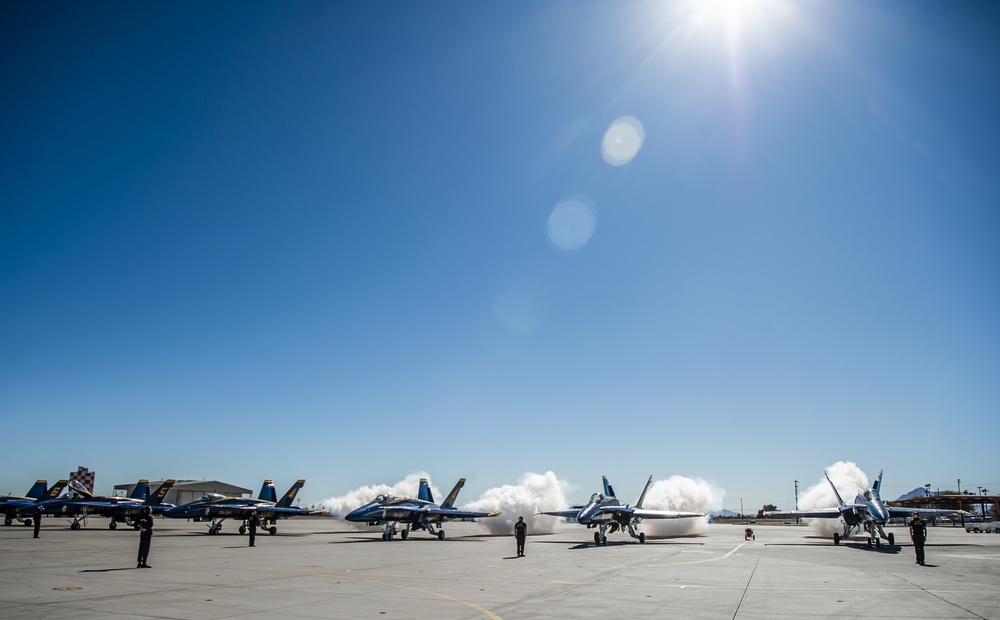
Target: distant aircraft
{"x": 79, "y": 504}
{"x": 867, "y": 511}
{"x": 416, "y": 514}
{"x": 605, "y": 511}
{"x": 12, "y": 505}
{"x": 252, "y": 512}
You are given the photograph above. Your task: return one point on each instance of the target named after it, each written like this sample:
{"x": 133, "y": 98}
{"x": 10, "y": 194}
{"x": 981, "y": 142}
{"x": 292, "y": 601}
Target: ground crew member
{"x": 520, "y": 532}
{"x": 145, "y": 537}
{"x": 918, "y": 534}
{"x": 252, "y": 524}
{"x": 38, "y": 520}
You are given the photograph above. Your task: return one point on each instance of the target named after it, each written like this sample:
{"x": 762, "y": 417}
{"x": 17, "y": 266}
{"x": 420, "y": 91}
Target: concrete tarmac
{"x": 320, "y": 568}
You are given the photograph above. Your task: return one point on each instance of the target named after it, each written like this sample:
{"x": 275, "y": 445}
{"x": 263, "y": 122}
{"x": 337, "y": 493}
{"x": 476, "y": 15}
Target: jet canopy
{"x": 208, "y": 497}
{"x": 596, "y": 498}
{"x": 384, "y": 498}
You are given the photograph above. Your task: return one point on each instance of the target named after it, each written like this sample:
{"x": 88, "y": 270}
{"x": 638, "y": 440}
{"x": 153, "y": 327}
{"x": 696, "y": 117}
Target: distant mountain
{"x": 917, "y": 492}
{"x": 723, "y": 513}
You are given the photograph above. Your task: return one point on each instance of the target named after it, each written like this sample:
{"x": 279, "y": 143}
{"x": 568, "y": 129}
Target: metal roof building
{"x": 185, "y": 491}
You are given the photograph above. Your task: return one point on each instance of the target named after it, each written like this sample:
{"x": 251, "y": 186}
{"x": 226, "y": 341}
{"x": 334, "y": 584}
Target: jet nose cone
{"x": 358, "y": 514}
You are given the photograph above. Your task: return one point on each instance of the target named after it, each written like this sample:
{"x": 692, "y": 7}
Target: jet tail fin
{"x": 267, "y": 491}
{"x": 642, "y": 496}
{"x": 608, "y": 491}
{"x": 835, "y": 491}
{"x": 425, "y": 493}
{"x": 289, "y": 496}
{"x": 141, "y": 490}
{"x": 449, "y": 502}
{"x": 38, "y": 489}
{"x": 54, "y": 491}
{"x": 161, "y": 492}
{"x": 878, "y": 482}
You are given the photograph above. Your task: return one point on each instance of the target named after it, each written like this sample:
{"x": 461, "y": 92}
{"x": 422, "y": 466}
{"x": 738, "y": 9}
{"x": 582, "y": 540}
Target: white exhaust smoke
{"x": 535, "y": 493}
{"x": 408, "y": 487}
{"x": 849, "y": 480}
{"x": 683, "y": 494}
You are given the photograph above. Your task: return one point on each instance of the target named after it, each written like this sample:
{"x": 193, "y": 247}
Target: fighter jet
{"x": 79, "y": 504}
{"x": 415, "y": 514}
{"x": 252, "y": 512}
{"x": 868, "y": 512}
{"x": 604, "y": 511}
{"x": 12, "y": 505}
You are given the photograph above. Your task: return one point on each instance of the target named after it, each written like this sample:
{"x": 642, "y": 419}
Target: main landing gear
{"x": 389, "y": 532}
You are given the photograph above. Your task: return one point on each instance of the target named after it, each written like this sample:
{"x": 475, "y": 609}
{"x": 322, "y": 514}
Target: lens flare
{"x": 571, "y": 224}
{"x": 622, "y": 141}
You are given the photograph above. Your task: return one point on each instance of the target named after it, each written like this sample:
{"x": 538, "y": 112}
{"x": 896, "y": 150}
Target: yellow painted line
{"x": 482, "y": 610}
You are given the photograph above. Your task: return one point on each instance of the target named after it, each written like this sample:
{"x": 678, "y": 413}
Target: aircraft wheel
{"x": 243, "y": 529}
{"x": 7, "y": 520}
{"x": 836, "y": 539}
{"x": 597, "y": 538}
{"x": 642, "y": 537}
{"x": 385, "y": 536}
{"x": 892, "y": 540}
{"x": 272, "y": 530}
{"x": 27, "y": 521}
{"x": 113, "y": 525}
{"x": 878, "y": 543}
{"x": 74, "y": 526}
{"x": 440, "y": 534}
{"x": 404, "y": 534}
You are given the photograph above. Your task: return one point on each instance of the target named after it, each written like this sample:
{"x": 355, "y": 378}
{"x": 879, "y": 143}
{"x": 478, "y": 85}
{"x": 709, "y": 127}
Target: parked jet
{"x": 605, "y": 511}
{"x": 252, "y": 512}
{"x": 79, "y": 504}
{"x": 415, "y": 514}
{"x": 12, "y": 505}
{"x": 868, "y": 512}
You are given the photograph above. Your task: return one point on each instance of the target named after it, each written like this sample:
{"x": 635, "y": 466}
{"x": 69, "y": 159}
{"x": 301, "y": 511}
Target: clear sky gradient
{"x": 348, "y": 241}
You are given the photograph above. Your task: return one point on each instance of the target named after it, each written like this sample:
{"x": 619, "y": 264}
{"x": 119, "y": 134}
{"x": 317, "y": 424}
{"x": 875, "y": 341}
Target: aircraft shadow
{"x": 624, "y": 543}
{"x": 106, "y": 570}
{"x": 420, "y": 539}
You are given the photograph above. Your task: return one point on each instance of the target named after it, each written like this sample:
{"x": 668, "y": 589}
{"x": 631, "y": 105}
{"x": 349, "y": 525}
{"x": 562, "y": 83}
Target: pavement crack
{"x": 742, "y": 596}
{"x": 940, "y": 598}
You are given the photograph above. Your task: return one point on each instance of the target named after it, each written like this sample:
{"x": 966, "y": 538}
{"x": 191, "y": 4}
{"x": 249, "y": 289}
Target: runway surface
{"x": 320, "y": 568}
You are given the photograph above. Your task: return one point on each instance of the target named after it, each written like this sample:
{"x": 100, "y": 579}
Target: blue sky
{"x": 323, "y": 240}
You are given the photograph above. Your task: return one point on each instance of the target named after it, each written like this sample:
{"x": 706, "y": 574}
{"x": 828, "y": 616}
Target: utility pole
{"x": 741, "y": 507}
{"x": 796, "y": 498}
{"x": 960, "y": 501}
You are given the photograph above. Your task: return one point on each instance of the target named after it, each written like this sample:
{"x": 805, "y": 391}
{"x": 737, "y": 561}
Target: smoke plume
{"x": 535, "y": 493}
{"x": 684, "y": 494}
{"x": 849, "y": 480}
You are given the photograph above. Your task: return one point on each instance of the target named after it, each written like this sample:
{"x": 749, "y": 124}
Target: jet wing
{"x": 569, "y": 514}
{"x": 290, "y": 511}
{"x": 819, "y": 513}
{"x": 643, "y": 513}
{"x": 451, "y": 513}
{"x": 898, "y": 512}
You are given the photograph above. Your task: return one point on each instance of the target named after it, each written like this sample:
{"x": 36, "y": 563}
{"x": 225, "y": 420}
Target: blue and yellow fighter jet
{"x": 868, "y": 512}
{"x": 252, "y": 512}
{"x": 415, "y": 514}
{"x": 605, "y": 511}
{"x": 80, "y": 504}
{"x": 12, "y": 505}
